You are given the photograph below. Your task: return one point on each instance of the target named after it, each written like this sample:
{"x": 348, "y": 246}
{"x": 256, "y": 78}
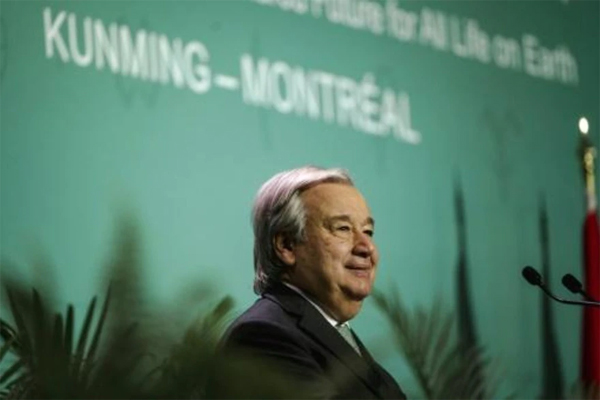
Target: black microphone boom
{"x": 573, "y": 284}
{"x": 533, "y": 277}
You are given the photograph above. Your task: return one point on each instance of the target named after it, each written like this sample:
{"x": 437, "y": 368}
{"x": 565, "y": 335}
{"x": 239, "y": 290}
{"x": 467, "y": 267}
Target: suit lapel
{"x": 313, "y": 323}
{"x": 386, "y": 387}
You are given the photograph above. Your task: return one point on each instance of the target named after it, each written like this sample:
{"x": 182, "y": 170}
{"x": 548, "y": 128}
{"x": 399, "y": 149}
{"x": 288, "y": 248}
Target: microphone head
{"x": 532, "y": 276}
{"x": 572, "y": 283}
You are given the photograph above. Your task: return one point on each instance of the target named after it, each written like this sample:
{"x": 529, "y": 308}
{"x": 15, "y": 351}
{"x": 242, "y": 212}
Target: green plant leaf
{"x": 99, "y": 325}
{"x": 441, "y": 365}
{"x": 6, "y": 347}
{"x": 10, "y": 336}
{"x": 13, "y": 369}
{"x": 79, "y": 358}
{"x": 22, "y": 332}
{"x": 68, "y": 332}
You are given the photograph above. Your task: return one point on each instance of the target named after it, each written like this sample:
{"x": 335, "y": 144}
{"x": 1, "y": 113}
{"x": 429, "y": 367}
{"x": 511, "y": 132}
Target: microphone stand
{"x": 534, "y": 278}
{"x": 584, "y": 303}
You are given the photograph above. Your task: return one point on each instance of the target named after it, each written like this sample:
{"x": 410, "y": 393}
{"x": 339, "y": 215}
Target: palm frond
{"x": 91, "y": 354}
{"x": 21, "y": 329}
{"x": 45, "y": 361}
{"x": 112, "y": 355}
{"x": 12, "y": 370}
{"x": 82, "y": 342}
{"x": 186, "y": 369}
{"x": 6, "y": 347}
{"x": 68, "y": 337}
{"x": 441, "y": 364}
{"x": 10, "y": 337}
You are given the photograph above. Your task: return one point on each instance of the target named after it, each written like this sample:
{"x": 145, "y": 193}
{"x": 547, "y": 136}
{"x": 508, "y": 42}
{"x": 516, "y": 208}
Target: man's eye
{"x": 369, "y": 232}
{"x": 343, "y": 228}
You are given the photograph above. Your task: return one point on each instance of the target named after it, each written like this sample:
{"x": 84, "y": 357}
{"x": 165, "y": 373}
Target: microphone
{"x": 573, "y": 284}
{"x": 534, "y": 278}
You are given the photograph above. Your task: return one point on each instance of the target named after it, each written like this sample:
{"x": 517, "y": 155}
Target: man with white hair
{"x": 315, "y": 262}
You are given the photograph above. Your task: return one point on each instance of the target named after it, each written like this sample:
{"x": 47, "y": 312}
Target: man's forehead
{"x": 335, "y": 200}
{"x": 333, "y": 193}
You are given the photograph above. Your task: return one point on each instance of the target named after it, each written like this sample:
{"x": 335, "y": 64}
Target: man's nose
{"x": 363, "y": 245}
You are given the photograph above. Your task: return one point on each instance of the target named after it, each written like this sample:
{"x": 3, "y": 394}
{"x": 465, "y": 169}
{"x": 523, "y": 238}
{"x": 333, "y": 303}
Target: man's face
{"x": 335, "y": 264}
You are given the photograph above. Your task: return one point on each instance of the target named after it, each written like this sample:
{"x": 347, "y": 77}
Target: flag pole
{"x": 590, "y": 343}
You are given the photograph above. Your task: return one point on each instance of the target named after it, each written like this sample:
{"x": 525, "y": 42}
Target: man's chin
{"x": 357, "y": 294}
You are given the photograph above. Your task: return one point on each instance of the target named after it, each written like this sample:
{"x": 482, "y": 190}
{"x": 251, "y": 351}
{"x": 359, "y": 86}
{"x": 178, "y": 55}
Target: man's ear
{"x": 284, "y": 247}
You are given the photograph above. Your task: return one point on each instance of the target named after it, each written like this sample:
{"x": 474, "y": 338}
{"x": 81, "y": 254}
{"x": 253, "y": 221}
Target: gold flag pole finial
{"x": 588, "y": 154}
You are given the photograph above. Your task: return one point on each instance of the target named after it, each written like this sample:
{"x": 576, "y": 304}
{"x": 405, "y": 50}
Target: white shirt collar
{"x": 327, "y": 317}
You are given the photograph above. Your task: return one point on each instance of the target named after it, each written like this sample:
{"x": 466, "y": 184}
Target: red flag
{"x": 590, "y": 358}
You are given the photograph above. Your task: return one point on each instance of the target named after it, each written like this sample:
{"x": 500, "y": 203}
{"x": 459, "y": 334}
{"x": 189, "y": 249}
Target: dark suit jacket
{"x": 291, "y": 336}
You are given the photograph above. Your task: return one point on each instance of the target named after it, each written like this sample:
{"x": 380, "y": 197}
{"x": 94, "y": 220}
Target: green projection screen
{"x": 177, "y": 111}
